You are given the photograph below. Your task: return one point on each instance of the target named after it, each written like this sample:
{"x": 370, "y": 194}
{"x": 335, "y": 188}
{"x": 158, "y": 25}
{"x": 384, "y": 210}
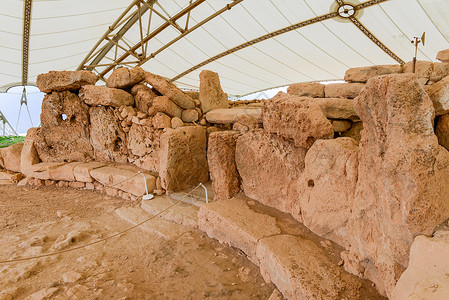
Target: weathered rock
{"x": 181, "y": 213}
{"x": 354, "y": 132}
{"x": 340, "y": 125}
{"x": 402, "y": 177}
{"x": 142, "y": 139}
{"x": 126, "y": 180}
{"x": 439, "y": 94}
{"x": 106, "y": 135}
{"x": 100, "y": 95}
{"x": 443, "y": 55}
{"x": 442, "y": 131}
{"x": 63, "y": 172}
{"x": 183, "y": 161}
{"x": 440, "y": 70}
{"x": 123, "y": 77}
{"x": 190, "y": 115}
{"x": 307, "y": 89}
{"x": 143, "y": 97}
{"x": 165, "y": 105}
{"x": 161, "y": 121}
{"x": 362, "y": 74}
{"x": 295, "y": 118}
{"x": 81, "y": 172}
{"x": 328, "y": 187}
{"x": 221, "y": 160}
{"x": 28, "y": 156}
{"x": 301, "y": 270}
{"x": 423, "y": 69}
{"x": 2, "y": 163}
{"x": 64, "y": 134}
{"x": 230, "y": 116}
{"x": 227, "y": 221}
{"x": 170, "y": 90}
{"x": 343, "y": 90}
{"x": 42, "y": 170}
{"x": 8, "y": 177}
{"x": 336, "y": 108}
{"x": 426, "y": 275}
{"x": 43, "y": 294}
{"x": 11, "y": 157}
{"x": 270, "y": 168}
{"x": 176, "y": 122}
{"x": 64, "y": 80}
{"x": 211, "y": 93}
{"x": 193, "y": 94}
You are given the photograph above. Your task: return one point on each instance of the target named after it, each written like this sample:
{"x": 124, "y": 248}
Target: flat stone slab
{"x": 158, "y": 226}
{"x": 231, "y": 115}
{"x": 301, "y": 270}
{"x": 124, "y": 179}
{"x": 63, "y": 172}
{"x": 233, "y": 222}
{"x": 181, "y": 213}
{"x": 42, "y": 170}
{"x": 82, "y": 171}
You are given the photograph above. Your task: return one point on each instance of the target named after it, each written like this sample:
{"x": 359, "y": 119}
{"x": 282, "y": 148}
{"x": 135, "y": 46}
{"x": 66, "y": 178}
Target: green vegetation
{"x": 6, "y": 141}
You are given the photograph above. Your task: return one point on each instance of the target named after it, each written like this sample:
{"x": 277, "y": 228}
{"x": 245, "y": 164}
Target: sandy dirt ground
{"x": 136, "y": 265}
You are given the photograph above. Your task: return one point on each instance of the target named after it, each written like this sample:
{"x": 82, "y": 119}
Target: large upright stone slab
{"x": 270, "y": 168}
{"x": 183, "y": 161}
{"x": 297, "y": 119}
{"x": 64, "y": 134}
{"x": 123, "y": 77}
{"x": 402, "y": 178}
{"x": 101, "y": 95}
{"x": 28, "y": 156}
{"x": 59, "y": 81}
{"x": 362, "y": 74}
{"x": 211, "y": 93}
{"x": 170, "y": 90}
{"x": 221, "y": 159}
{"x": 307, "y": 89}
{"x": 11, "y": 157}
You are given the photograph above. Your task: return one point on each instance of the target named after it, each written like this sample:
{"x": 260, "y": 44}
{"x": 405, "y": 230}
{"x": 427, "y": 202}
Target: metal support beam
{"x": 27, "y": 4}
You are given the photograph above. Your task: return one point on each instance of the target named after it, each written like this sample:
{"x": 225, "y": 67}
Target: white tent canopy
{"x": 254, "y": 45}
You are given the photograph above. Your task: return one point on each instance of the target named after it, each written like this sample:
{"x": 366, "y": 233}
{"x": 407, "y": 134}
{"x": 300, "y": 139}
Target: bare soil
{"x": 134, "y": 265}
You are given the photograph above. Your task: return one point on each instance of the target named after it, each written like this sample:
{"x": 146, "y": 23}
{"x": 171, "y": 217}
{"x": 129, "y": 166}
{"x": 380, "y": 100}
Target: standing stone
{"x": 270, "y": 168}
{"x": 59, "y": 81}
{"x": 211, "y": 93}
{"x": 343, "y": 90}
{"x": 64, "y": 134}
{"x": 11, "y": 157}
{"x": 170, "y": 90}
{"x": 183, "y": 161}
{"x": 29, "y": 156}
{"x": 221, "y": 160}
{"x": 443, "y": 55}
{"x": 296, "y": 119}
{"x": 307, "y": 89}
{"x": 362, "y": 74}
{"x": 165, "y": 105}
{"x": 327, "y": 189}
{"x": 442, "y": 131}
{"x": 123, "y": 77}
{"x": 107, "y": 136}
{"x": 100, "y": 95}
{"x": 402, "y": 177}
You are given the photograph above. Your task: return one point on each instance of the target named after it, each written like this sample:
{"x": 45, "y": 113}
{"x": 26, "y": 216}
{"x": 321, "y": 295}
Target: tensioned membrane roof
{"x": 253, "y": 44}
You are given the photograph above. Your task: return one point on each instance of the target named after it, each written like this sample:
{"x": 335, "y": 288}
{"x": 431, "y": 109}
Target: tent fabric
{"x": 63, "y": 32}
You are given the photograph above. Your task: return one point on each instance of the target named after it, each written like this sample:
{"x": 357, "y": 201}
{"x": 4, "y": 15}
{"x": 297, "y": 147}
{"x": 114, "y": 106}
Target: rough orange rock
{"x": 362, "y": 74}
{"x": 28, "y": 156}
{"x": 143, "y": 97}
{"x": 101, "y": 95}
{"x": 183, "y": 161}
{"x": 230, "y": 116}
{"x": 11, "y": 157}
{"x": 443, "y": 55}
{"x": 165, "y": 105}
{"x": 221, "y": 160}
{"x": 123, "y": 77}
{"x": 402, "y": 177}
{"x": 440, "y": 70}
{"x": 343, "y": 90}
{"x": 161, "y": 121}
{"x": 423, "y": 69}
{"x": 64, "y": 134}
{"x": 439, "y": 94}
{"x": 270, "y": 168}
{"x": 307, "y": 89}
{"x": 211, "y": 93}
{"x": 295, "y": 118}
{"x": 354, "y": 132}
{"x": 59, "y": 81}
{"x": 141, "y": 139}
{"x": 82, "y": 171}
{"x": 442, "y": 131}
{"x": 190, "y": 115}
{"x": 336, "y": 108}
{"x": 170, "y": 90}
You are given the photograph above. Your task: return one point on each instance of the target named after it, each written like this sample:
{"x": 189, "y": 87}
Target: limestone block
{"x": 270, "y": 168}
{"x": 440, "y": 70}
{"x": 42, "y": 170}
{"x": 101, "y": 95}
{"x": 170, "y": 90}
{"x": 343, "y": 90}
{"x": 124, "y": 179}
{"x": 439, "y": 94}
{"x": 362, "y": 74}
{"x": 230, "y": 116}
{"x": 354, "y": 132}
{"x": 227, "y": 221}
{"x": 193, "y": 94}
{"x": 161, "y": 121}
{"x": 165, "y": 105}
{"x": 82, "y": 171}
{"x": 143, "y": 97}
{"x": 64, "y": 80}
{"x": 123, "y": 77}
{"x": 221, "y": 160}
{"x": 183, "y": 161}
{"x": 443, "y": 55}
{"x": 176, "y": 122}
{"x": 190, "y": 115}
{"x": 295, "y": 118}
{"x": 64, "y": 172}
{"x": 336, "y": 108}
{"x": 11, "y": 157}
{"x": 307, "y": 89}
{"x": 340, "y": 125}
{"x": 211, "y": 93}
{"x": 423, "y": 69}
{"x": 442, "y": 131}
{"x": 28, "y": 156}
